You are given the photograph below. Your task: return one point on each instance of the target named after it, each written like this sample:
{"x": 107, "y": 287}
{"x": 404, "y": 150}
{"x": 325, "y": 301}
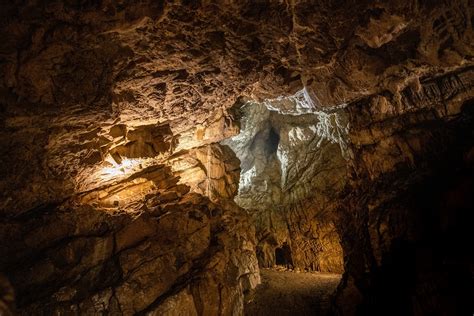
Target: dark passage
{"x": 283, "y": 256}
{"x": 273, "y": 141}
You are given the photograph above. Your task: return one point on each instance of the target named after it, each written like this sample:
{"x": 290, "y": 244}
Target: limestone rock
{"x": 116, "y": 191}
{"x": 7, "y": 297}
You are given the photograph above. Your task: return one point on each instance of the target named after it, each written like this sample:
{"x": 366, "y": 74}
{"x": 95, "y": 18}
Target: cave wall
{"x": 104, "y": 104}
{"x": 105, "y": 172}
{"x": 411, "y": 196}
{"x": 293, "y": 161}
{"x": 310, "y": 231}
{"x": 136, "y": 246}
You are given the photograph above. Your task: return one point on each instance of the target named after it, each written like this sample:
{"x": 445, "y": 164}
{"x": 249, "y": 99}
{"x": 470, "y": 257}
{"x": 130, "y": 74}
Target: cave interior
{"x": 265, "y": 157}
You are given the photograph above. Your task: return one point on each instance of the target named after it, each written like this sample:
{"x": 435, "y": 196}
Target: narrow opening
{"x": 273, "y": 140}
{"x": 283, "y": 256}
{"x": 279, "y": 257}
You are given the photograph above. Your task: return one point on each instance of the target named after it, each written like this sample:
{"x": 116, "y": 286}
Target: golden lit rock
{"x": 155, "y": 155}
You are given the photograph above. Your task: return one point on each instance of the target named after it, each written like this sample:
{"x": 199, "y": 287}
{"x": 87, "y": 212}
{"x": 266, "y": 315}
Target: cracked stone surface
{"x": 117, "y": 195}
{"x": 293, "y": 167}
{"x": 158, "y": 231}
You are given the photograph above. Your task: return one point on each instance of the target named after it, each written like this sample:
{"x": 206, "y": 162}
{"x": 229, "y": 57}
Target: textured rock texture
{"x": 411, "y": 195}
{"x": 293, "y": 159}
{"x": 7, "y": 297}
{"x": 116, "y": 194}
{"x": 129, "y": 248}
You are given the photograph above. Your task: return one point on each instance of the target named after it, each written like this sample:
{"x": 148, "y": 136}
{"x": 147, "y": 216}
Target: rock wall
{"x": 104, "y": 171}
{"x": 308, "y": 228}
{"x": 132, "y": 247}
{"x": 7, "y": 297}
{"x": 104, "y": 104}
{"x": 411, "y": 194}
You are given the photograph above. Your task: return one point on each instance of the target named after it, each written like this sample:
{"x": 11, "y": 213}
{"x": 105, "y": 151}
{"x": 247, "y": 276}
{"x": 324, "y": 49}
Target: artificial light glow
{"x": 115, "y": 169}
{"x": 110, "y": 172}
{"x": 120, "y": 168}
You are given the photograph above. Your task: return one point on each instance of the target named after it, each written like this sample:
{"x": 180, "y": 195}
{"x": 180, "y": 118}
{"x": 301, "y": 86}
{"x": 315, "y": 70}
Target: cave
{"x": 283, "y": 256}
{"x": 280, "y": 256}
{"x": 273, "y": 140}
{"x": 236, "y": 157}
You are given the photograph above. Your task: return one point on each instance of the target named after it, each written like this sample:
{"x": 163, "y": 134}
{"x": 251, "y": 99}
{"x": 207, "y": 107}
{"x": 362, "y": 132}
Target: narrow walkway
{"x": 291, "y": 293}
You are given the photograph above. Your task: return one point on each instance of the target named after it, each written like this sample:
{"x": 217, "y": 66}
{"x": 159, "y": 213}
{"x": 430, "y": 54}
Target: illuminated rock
{"x": 116, "y": 193}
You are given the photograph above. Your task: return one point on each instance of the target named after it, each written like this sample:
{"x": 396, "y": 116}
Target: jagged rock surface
{"x": 104, "y": 103}
{"x": 411, "y": 193}
{"x": 293, "y": 159}
{"x": 97, "y": 252}
{"x": 7, "y": 297}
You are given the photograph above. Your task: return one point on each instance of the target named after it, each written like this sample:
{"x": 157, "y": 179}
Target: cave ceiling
{"x": 81, "y": 71}
{"x": 130, "y": 128}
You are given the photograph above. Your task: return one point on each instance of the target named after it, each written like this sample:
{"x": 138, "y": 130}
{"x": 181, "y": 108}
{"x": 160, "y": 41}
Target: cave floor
{"x": 291, "y": 293}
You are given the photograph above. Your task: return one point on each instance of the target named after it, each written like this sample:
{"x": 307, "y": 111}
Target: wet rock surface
{"x": 116, "y": 195}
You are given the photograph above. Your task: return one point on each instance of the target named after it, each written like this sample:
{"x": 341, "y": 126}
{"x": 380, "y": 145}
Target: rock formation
{"x": 120, "y": 153}
{"x": 293, "y": 167}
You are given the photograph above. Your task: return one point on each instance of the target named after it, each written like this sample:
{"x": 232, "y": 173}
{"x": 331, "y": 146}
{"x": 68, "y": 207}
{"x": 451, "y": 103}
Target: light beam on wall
{"x": 115, "y": 168}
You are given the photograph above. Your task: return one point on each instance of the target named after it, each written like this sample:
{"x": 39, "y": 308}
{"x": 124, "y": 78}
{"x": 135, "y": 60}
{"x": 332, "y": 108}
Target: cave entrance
{"x": 283, "y": 256}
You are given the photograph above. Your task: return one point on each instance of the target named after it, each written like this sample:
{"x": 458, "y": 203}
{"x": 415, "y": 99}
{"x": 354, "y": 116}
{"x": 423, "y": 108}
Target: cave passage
{"x": 293, "y": 157}
{"x": 287, "y": 147}
{"x": 283, "y": 256}
{"x": 236, "y": 157}
{"x": 273, "y": 140}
